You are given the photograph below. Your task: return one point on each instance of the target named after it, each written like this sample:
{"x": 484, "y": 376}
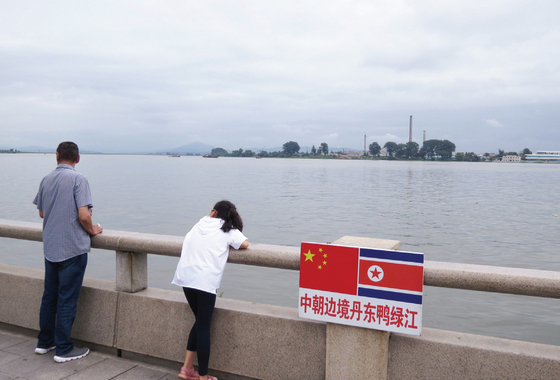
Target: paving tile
{"x": 10, "y": 340}
{"x": 169, "y": 377}
{"x": 141, "y": 373}
{"x": 106, "y": 369}
{"x": 18, "y": 361}
{"x": 24, "y": 348}
{"x": 43, "y": 367}
{"x": 25, "y": 366}
{"x": 6, "y": 357}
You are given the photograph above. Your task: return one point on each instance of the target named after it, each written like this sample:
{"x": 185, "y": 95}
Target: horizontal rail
{"x": 528, "y": 282}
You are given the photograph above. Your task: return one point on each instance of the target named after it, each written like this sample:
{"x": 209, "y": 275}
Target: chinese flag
{"x": 330, "y": 268}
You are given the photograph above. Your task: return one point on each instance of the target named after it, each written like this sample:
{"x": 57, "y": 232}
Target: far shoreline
{"x": 335, "y": 156}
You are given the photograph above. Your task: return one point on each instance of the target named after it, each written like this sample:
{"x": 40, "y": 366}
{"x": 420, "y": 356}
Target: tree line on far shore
{"x": 431, "y": 149}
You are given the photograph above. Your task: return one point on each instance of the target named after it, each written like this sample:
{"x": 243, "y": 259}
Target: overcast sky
{"x": 152, "y": 75}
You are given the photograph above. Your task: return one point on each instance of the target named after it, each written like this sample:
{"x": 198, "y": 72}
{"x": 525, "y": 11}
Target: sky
{"x": 131, "y": 76}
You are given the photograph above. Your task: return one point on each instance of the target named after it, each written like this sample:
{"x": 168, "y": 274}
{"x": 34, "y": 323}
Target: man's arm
{"x": 41, "y": 214}
{"x": 85, "y": 221}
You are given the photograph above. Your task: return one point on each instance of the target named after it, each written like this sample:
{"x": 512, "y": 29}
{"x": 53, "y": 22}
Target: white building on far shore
{"x": 511, "y": 158}
{"x": 544, "y": 156}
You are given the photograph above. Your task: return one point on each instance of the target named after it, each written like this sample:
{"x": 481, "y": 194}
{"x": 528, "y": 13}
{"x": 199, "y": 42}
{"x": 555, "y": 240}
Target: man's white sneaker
{"x": 43, "y": 351}
{"x": 76, "y": 353}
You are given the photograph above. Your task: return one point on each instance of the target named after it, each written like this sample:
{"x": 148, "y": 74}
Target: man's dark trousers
{"x": 63, "y": 282}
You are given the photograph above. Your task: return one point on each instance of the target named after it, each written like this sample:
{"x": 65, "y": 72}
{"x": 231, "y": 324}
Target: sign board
{"x": 363, "y": 287}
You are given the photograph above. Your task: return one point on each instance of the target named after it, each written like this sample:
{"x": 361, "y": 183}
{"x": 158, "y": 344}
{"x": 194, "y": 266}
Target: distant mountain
{"x": 194, "y": 148}
{"x": 42, "y": 149}
{"x": 37, "y": 149}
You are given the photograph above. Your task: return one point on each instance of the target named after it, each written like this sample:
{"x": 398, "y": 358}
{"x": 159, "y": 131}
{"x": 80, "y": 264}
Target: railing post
{"x": 132, "y": 271}
{"x": 354, "y": 352}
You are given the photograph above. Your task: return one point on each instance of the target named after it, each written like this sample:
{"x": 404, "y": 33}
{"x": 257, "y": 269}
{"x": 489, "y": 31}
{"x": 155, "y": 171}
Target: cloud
{"x": 381, "y": 139}
{"x": 493, "y": 123}
{"x": 135, "y": 76}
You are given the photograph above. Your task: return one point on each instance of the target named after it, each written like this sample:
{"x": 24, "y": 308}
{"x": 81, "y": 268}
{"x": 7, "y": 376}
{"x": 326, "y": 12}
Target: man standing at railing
{"x": 64, "y": 202}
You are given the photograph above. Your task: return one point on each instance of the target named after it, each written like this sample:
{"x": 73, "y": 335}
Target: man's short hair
{"x": 68, "y": 151}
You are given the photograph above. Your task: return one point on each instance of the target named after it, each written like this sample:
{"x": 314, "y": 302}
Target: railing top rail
{"x": 528, "y": 282}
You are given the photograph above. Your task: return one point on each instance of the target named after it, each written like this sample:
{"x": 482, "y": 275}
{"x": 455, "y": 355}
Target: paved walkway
{"x": 19, "y": 361}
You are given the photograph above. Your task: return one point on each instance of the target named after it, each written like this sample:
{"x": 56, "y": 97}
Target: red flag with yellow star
{"x": 331, "y": 268}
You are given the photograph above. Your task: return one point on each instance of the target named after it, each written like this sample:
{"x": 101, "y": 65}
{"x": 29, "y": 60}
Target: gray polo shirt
{"x": 61, "y": 193}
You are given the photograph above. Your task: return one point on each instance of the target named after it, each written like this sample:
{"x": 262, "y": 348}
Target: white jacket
{"x": 204, "y": 255}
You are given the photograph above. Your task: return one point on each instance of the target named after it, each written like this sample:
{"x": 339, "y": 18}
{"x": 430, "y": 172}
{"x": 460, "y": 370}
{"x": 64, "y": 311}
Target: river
{"x": 501, "y": 214}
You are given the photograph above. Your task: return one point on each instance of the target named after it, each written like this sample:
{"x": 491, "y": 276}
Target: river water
{"x": 501, "y": 214}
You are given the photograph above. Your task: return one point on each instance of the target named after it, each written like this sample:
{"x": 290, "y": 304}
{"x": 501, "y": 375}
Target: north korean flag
{"x": 391, "y": 275}
{"x": 383, "y": 274}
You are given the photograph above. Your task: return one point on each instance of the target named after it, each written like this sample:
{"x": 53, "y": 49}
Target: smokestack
{"x": 424, "y": 137}
{"x": 410, "y": 130}
{"x": 365, "y": 145}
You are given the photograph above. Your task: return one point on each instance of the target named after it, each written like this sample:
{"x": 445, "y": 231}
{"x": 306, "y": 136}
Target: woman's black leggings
{"x": 202, "y": 305}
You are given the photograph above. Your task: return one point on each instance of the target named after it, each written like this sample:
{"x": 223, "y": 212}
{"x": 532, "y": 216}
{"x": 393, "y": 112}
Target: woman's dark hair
{"x": 227, "y": 211}
{"x": 68, "y": 151}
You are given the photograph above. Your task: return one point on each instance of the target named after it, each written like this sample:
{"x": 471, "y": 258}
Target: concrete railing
{"x": 257, "y": 341}
{"x": 527, "y": 282}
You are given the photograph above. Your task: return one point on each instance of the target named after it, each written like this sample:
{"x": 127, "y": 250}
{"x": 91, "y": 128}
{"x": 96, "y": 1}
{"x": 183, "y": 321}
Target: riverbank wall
{"x": 251, "y": 340}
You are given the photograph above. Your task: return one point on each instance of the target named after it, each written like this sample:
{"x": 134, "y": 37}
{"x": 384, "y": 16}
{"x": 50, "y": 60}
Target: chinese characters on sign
{"x": 363, "y": 287}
